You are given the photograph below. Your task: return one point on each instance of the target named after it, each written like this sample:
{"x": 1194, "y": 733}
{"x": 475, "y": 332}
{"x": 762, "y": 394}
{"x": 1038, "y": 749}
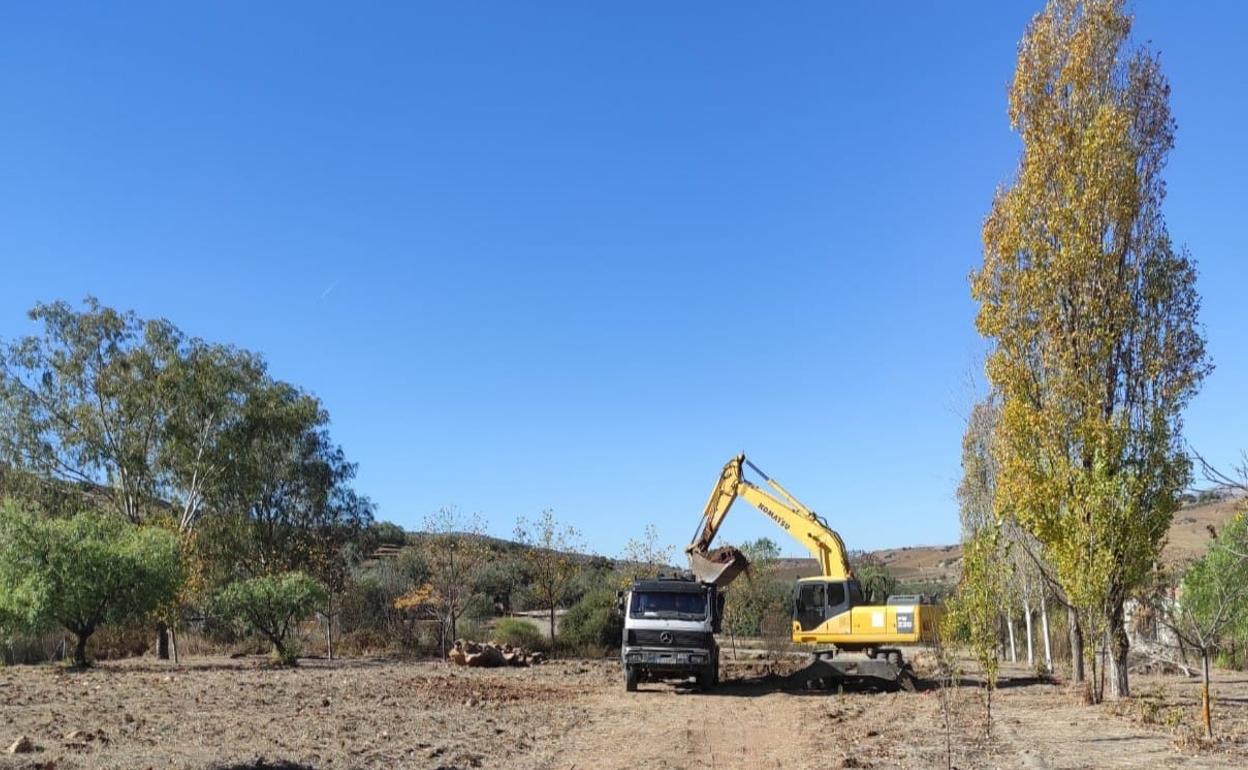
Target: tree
{"x": 271, "y": 605}
{"x": 287, "y": 484}
{"x": 974, "y": 611}
{"x": 206, "y": 391}
{"x": 750, "y": 602}
{"x": 1092, "y": 313}
{"x": 502, "y": 579}
{"x": 1212, "y": 603}
{"x": 82, "y": 572}
{"x": 1027, "y": 579}
{"x": 873, "y": 575}
{"x": 82, "y": 402}
{"x": 552, "y": 560}
{"x": 453, "y": 549}
{"x": 648, "y": 558}
{"x": 594, "y": 622}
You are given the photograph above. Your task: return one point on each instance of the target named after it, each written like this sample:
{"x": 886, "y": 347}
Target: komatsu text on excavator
{"x": 828, "y": 610}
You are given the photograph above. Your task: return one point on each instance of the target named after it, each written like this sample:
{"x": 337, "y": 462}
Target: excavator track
{"x": 832, "y": 674}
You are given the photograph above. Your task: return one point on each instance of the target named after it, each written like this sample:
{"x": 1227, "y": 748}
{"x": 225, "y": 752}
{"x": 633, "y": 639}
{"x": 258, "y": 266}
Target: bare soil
{"x": 222, "y": 713}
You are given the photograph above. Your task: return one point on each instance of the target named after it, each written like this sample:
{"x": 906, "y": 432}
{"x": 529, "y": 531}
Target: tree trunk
{"x": 1119, "y": 647}
{"x": 552, "y": 627}
{"x": 329, "y": 629}
{"x": 80, "y": 648}
{"x": 1076, "y": 646}
{"x": 162, "y": 640}
{"x": 1044, "y": 627}
{"x": 173, "y": 643}
{"x": 988, "y": 712}
{"x": 1031, "y": 654}
{"x": 1098, "y": 669}
{"x": 1205, "y": 710}
{"x": 1009, "y": 624}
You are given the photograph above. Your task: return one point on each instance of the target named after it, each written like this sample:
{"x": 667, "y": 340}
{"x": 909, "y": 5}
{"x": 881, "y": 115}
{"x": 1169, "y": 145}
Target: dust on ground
{"x": 225, "y": 714}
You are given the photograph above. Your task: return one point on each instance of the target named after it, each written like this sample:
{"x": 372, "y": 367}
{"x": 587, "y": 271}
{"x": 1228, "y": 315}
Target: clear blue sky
{"x": 577, "y": 255}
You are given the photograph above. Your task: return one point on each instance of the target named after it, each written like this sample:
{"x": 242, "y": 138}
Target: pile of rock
{"x": 490, "y": 655}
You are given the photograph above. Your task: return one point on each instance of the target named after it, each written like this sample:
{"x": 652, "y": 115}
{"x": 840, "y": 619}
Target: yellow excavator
{"x": 829, "y": 610}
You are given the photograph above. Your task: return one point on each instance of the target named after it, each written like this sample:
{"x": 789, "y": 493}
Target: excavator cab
{"x": 816, "y": 601}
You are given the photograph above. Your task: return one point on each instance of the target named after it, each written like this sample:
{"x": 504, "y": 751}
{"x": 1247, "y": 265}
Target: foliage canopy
{"x": 82, "y": 572}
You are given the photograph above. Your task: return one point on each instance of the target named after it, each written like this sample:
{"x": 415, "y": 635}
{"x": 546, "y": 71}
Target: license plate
{"x": 660, "y": 657}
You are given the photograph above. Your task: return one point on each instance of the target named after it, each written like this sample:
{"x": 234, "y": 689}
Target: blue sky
{"x": 575, "y": 256}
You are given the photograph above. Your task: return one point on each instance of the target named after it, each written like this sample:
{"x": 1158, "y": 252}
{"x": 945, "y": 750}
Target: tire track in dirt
{"x": 665, "y": 727}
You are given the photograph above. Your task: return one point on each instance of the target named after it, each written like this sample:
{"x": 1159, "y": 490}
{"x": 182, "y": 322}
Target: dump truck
{"x": 670, "y": 624}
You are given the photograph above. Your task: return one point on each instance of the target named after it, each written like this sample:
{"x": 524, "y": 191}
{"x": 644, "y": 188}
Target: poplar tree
{"x": 1092, "y": 311}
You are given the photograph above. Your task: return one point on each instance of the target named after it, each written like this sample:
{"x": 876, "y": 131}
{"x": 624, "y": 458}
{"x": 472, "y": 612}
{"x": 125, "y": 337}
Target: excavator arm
{"x": 721, "y": 566}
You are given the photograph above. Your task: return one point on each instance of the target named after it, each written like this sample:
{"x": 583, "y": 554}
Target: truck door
{"x": 810, "y": 605}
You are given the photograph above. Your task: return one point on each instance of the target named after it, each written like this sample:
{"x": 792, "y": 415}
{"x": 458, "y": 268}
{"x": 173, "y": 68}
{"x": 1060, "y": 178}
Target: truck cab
{"x": 669, "y": 630}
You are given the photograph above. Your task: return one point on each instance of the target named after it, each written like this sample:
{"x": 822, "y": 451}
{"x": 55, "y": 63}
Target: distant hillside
{"x": 1188, "y": 539}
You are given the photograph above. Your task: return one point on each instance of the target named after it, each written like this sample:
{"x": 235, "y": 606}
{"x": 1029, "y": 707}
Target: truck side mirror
{"x": 619, "y": 602}
{"x": 718, "y": 621}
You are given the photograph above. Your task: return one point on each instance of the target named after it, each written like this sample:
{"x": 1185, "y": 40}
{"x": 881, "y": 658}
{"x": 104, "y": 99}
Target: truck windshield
{"x": 658, "y": 604}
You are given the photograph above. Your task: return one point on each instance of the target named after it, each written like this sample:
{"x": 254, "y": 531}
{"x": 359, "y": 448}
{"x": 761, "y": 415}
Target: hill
{"x": 1188, "y": 538}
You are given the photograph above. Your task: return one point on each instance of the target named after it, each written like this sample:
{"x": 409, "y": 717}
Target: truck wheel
{"x": 706, "y": 678}
{"x": 630, "y": 679}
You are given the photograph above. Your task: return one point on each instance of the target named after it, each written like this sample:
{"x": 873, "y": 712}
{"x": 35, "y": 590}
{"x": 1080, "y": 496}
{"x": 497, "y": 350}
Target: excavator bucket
{"x": 718, "y": 567}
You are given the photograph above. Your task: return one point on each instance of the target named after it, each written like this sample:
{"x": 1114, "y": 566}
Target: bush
{"x": 593, "y": 623}
{"x": 271, "y": 605}
{"x": 117, "y": 642}
{"x": 519, "y": 633}
{"x": 362, "y": 642}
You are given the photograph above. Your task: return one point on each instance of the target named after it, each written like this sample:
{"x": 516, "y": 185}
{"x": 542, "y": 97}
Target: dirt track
{"x": 572, "y": 714}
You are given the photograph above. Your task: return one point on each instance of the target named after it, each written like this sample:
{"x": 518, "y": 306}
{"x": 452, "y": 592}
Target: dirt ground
{"x": 222, "y": 713}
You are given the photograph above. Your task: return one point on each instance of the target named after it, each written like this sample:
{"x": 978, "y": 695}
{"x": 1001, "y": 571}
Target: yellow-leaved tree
{"x": 1092, "y": 311}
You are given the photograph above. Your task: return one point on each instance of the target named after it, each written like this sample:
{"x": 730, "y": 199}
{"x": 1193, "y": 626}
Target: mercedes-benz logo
{"x": 666, "y": 637}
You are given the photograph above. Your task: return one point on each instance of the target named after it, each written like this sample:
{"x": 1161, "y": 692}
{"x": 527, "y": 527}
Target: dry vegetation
{"x": 222, "y": 713}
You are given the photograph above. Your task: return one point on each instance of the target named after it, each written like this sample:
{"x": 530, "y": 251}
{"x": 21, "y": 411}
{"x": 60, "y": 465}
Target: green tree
{"x": 552, "y": 558}
{"x": 82, "y": 572}
{"x": 974, "y": 611}
{"x": 206, "y": 389}
{"x": 271, "y": 605}
{"x": 874, "y": 576}
{"x": 287, "y": 486}
{"x": 594, "y": 622}
{"x": 1212, "y": 603}
{"x": 1092, "y": 312}
{"x": 761, "y": 594}
{"x": 82, "y": 403}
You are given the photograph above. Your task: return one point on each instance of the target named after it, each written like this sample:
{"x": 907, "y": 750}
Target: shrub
{"x": 593, "y": 623}
{"x": 519, "y": 633}
{"x": 271, "y": 605}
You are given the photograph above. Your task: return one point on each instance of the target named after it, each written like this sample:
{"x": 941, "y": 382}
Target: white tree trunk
{"x": 1031, "y": 653}
{"x": 1044, "y": 627}
{"x": 1009, "y": 623}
